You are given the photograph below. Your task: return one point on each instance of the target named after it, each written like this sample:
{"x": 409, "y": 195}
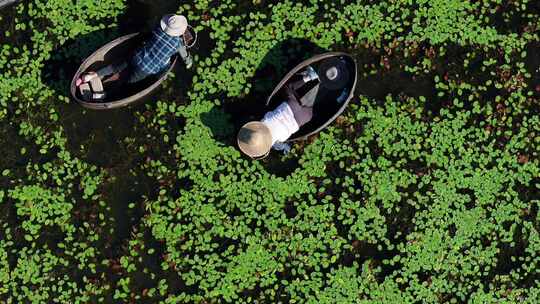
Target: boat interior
{"x": 326, "y": 102}
{"x": 118, "y": 89}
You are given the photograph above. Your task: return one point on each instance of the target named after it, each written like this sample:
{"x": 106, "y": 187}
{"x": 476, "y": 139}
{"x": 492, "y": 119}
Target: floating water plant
{"x": 426, "y": 189}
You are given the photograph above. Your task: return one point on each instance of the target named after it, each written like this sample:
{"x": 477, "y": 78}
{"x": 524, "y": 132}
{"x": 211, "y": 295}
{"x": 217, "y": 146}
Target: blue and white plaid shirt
{"x": 156, "y": 53}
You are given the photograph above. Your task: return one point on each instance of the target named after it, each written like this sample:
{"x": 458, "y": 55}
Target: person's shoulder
{"x": 158, "y": 32}
{"x": 279, "y": 110}
{"x": 152, "y": 37}
{"x": 284, "y": 107}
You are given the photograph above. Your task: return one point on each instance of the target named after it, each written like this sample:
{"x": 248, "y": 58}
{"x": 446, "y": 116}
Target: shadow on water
{"x": 220, "y": 125}
{"x": 98, "y": 137}
{"x": 277, "y": 62}
{"x": 128, "y": 186}
{"x": 393, "y": 80}
{"x": 143, "y": 15}
{"x": 7, "y": 24}
{"x": 532, "y": 64}
{"x": 235, "y": 112}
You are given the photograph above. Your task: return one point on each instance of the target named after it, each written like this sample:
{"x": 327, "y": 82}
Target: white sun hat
{"x": 174, "y": 25}
{"x": 255, "y": 139}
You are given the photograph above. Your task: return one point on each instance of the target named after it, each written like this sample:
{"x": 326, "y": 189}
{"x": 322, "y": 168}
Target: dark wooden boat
{"x": 115, "y": 51}
{"x": 325, "y": 109}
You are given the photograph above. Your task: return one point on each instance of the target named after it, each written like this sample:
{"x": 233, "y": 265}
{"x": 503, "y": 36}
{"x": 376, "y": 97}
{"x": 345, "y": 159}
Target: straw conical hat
{"x": 255, "y": 139}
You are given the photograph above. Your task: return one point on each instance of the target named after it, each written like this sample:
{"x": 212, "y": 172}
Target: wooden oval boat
{"x": 115, "y": 51}
{"x": 326, "y": 109}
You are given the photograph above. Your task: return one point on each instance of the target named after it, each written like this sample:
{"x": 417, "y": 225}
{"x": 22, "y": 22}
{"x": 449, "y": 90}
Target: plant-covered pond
{"x": 425, "y": 190}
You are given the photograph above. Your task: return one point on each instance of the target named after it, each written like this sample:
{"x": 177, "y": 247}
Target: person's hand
{"x": 281, "y": 146}
{"x": 189, "y": 62}
{"x": 85, "y": 78}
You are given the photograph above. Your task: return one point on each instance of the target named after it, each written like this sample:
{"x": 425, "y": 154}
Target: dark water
{"x": 145, "y": 14}
{"x": 7, "y": 3}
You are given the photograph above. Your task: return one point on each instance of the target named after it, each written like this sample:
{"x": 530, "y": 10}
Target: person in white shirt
{"x": 256, "y": 138}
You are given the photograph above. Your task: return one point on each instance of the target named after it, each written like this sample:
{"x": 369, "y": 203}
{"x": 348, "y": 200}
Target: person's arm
{"x": 282, "y": 146}
{"x": 291, "y": 95}
{"x": 182, "y": 50}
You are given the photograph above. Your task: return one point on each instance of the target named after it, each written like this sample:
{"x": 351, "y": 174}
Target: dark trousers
{"x": 302, "y": 114}
{"x": 134, "y": 74}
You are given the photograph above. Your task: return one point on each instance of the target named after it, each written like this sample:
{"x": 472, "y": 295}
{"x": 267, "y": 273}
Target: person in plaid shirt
{"x": 153, "y": 57}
